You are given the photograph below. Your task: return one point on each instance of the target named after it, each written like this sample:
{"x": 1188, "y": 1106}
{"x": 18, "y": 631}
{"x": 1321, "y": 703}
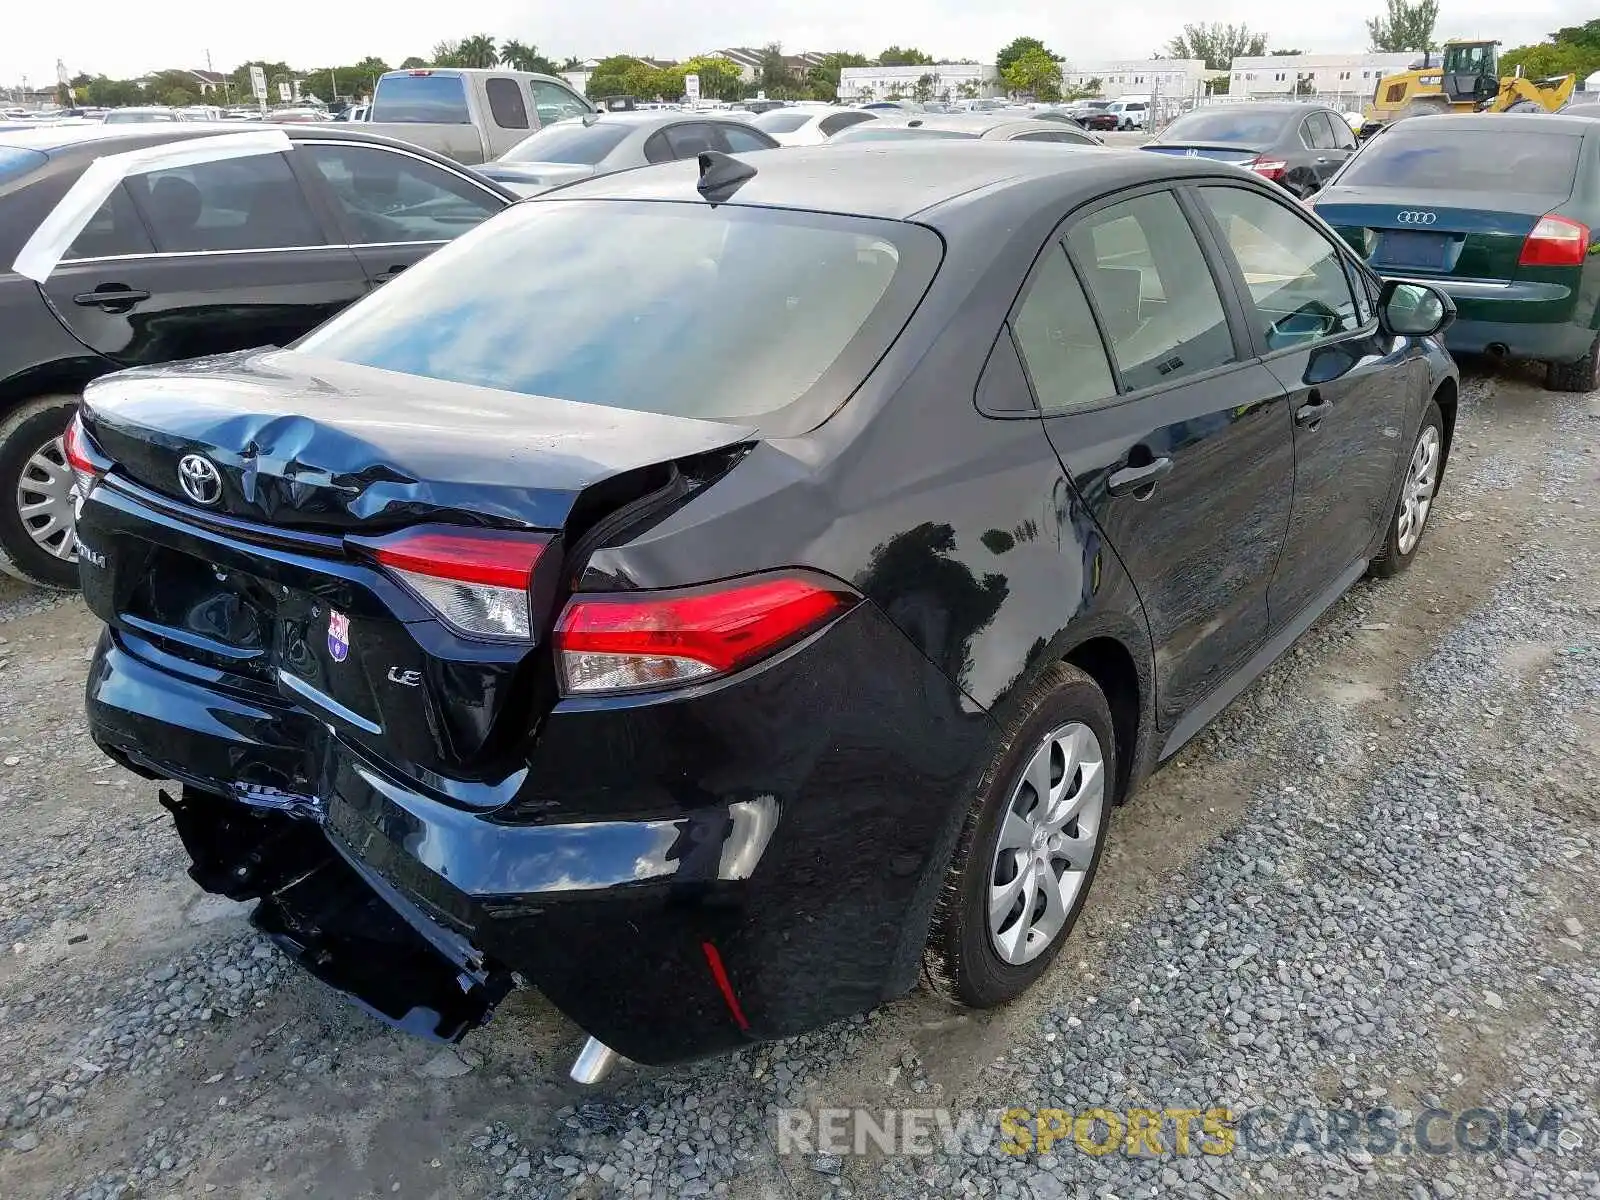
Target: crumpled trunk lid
{"x": 274, "y": 590}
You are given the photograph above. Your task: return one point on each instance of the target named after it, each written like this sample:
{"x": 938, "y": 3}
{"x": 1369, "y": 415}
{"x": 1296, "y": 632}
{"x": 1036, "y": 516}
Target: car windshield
{"x": 421, "y": 99}
{"x": 717, "y": 313}
{"x": 1226, "y": 128}
{"x": 780, "y": 121}
{"x": 895, "y": 133}
{"x": 1514, "y": 159}
{"x": 137, "y": 116}
{"x": 569, "y": 142}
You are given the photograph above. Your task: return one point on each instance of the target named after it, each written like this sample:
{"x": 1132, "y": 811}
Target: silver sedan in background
{"x": 599, "y": 143}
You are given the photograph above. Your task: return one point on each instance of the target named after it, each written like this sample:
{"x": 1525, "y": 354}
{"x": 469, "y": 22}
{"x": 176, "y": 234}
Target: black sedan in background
{"x": 719, "y": 648}
{"x": 188, "y": 239}
{"x": 1299, "y": 146}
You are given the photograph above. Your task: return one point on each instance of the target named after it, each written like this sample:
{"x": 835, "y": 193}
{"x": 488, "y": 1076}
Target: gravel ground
{"x": 1366, "y": 886}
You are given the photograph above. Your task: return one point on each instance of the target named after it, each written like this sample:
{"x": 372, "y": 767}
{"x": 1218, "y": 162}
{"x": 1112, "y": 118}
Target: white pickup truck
{"x": 471, "y": 115}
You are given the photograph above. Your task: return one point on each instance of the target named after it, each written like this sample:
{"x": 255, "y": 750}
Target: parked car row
{"x": 704, "y": 572}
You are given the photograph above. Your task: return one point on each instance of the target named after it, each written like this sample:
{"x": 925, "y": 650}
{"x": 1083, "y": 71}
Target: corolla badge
{"x": 199, "y": 479}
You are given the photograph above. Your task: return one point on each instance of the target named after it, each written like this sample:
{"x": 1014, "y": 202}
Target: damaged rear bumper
{"x": 679, "y": 878}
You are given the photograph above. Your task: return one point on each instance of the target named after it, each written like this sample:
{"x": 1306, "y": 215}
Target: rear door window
{"x": 505, "y": 103}
{"x": 115, "y": 229}
{"x": 832, "y": 125}
{"x": 739, "y": 140}
{"x": 422, "y": 99}
{"x": 1153, "y": 290}
{"x": 688, "y": 140}
{"x": 1515, "y": 159}
{"x": 386, "y": 196}
{"x": 1060, "y": 345}
{"x": 1316, "y": 133}
{"x": 570, "y": 142}
{"x": 251, "y": 203}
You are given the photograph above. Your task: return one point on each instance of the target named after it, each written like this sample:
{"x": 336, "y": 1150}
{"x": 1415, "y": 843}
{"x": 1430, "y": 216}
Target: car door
{"x": 1327, "y": 155}
{"x": 202, "y": 258}
{"x": 1348, "y": 384}
{"x": 1177, "y": 440}
{"x": 394, "y": 208}
{"x": 552, "y": 102}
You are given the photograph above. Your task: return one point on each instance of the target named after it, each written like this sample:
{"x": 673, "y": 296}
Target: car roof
{"x": 910, "y": 179}
{"x": 985, "y": 122}
{"x": 1497, "y": 122}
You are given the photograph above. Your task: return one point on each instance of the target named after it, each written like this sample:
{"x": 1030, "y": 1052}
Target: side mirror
{"x": 1414, "y": 309}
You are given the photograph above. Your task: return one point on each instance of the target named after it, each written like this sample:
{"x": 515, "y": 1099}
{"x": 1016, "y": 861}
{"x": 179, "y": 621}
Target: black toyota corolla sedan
{"x": 719, "y": 593}
{"x": 123, "y": 245}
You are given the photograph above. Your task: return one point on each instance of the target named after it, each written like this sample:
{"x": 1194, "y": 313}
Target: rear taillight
{"x": 1555, "y": 242}
{"x": 636, "y": 641}
{"x": 88, "y": 464}
{"x": 1268, "y": 168}
{"x": 479, "y": 581}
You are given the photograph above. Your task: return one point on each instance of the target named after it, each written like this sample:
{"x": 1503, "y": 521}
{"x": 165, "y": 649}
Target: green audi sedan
{"x": 1500, "y": 211}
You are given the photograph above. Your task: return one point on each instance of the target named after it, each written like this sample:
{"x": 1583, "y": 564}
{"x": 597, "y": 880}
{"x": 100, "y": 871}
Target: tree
{"x": 1217, "y": 44}
{"x": 1017, "y": 48}
{"x": 925, "y": 86}
{"x": 478, "y": 51}
{"x": 968, "y": 89}
{"x": 521, "y": 57}
{"x": 719, "y": 78}
{"x": 572, "y": 63}
{"x": 413, "y": 63}
{"x": 1035, "y": 74}
{"x": 1573, "y": 50}
{"x": 1408, "y": 25}
{"x": 895, "y": 56}
{"x": 822, "y": 80}
{"x": 177, "y": 97}
{"x": 773, "y": 76}
{"x": 1284, "y": 53}
{"x": 1305, "y": 85}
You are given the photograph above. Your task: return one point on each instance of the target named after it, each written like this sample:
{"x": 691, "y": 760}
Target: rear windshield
{"x": 895, "y": 133}
{"x": 569, "y": 142}
{"x": 1227, "y": 128}
{"x": 16, "y": 162}
{"x": 421, "y": 99}
{"x": 779, "y": 121}
{"x": 720, "y": 313}
{"x": 1515, "y": 159}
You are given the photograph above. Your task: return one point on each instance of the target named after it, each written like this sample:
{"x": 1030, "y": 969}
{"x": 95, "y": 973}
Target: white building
{"x": 1275, "y": 76}
{"x": 1180, "y": 78}
{"x": 951, "y": 81}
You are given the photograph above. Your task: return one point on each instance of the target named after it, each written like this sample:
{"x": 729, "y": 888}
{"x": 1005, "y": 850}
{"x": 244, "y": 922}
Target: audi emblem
{"x": 1417, "y": 218}
{"x": 199, "y": 479}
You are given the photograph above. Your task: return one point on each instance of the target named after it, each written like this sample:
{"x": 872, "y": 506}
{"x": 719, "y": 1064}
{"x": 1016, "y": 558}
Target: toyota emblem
{"x": 199, "y": 479}
{"x": 1417, "y": 218}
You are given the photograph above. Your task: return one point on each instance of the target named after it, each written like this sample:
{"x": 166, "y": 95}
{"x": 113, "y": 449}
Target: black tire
{"x": 24, "y": 431}
{"x": 961, "y": 962}
{"x": 1424, "y": 106}
{"x": 1527, "y": 106}
{"x": 1396, "y": 554}
{"x": 1580, "y": 376}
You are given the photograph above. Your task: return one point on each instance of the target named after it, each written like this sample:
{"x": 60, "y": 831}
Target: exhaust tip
{"x": 1497, "y": 350}
{"x": 594, "y": 1062}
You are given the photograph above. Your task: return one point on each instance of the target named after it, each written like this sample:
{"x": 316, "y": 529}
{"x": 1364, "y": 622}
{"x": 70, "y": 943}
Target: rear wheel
{"x": 1580, "y": 376}
{"x": 38, "y": 543}
{"x": 1416, "y": 498}
{"x": 1030, "y": 845}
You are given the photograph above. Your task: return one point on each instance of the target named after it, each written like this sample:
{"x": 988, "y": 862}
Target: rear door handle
{"x": 1133, "y": 479}
{"x": 385, "y": 276}
{"x": 110, "y": 297}
{"x": 1312, "y": 411}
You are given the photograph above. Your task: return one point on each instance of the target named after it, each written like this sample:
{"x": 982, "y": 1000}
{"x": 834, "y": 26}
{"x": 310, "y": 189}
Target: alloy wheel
{"x": 46, "y": 495}
{"x": 1422, "y": 479}
{"x": 1048, "y": 836}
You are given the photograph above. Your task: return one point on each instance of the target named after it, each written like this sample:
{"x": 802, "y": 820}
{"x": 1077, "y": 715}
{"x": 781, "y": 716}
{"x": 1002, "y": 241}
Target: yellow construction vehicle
{"x": 1467, "y": 79}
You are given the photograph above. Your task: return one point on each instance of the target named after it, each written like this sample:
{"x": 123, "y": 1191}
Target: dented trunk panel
{"x": 314, "y": 444}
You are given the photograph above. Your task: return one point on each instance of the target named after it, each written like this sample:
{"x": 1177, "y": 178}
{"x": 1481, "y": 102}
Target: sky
{"x": 124, "y": 38}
